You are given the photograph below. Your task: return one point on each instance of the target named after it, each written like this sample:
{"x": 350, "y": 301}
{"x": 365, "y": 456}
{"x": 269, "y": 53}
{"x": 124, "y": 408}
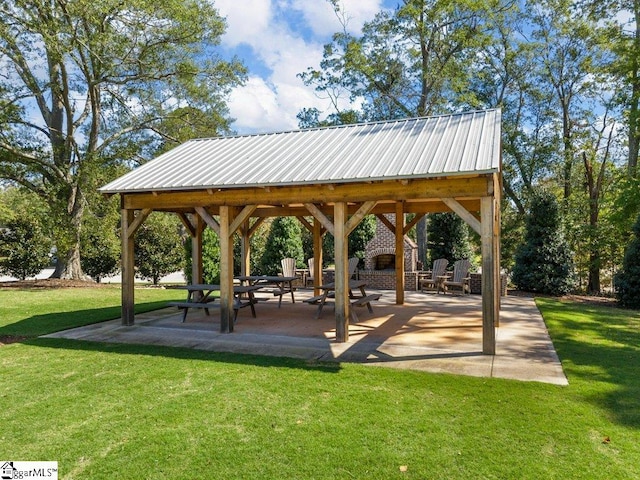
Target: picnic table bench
{"x": 199, "y": 296}
{"x": 282, "y": 285}
{"x": 355, "y": 300}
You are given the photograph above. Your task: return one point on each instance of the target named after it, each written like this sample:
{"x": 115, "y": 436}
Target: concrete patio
{"x": 434, "y": 333}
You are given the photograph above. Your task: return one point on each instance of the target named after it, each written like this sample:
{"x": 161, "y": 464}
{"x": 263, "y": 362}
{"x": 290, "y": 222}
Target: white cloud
{"x": 322, "y": 19}
{"x": 246, "y": 19}
{"x": 286, "y": 37}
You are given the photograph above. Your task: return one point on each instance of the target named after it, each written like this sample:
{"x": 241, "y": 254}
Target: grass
{"x": 126, "y": 411}
{"x": 33, "y": 312}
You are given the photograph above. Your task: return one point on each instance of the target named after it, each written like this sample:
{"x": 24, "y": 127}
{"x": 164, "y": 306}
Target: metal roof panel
{"x": 463, "y": 143}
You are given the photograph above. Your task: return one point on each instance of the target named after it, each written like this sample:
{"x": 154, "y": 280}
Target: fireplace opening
{"x": 385, "y": 262}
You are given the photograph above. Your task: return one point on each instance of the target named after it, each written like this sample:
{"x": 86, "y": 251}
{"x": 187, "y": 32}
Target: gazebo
{"x": 334, "y": 176}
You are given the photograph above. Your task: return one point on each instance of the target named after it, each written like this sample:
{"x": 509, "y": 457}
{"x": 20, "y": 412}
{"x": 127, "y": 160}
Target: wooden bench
{"x": 366, "y": 300}
{"x": 187, "y": 305}
{"x": 361, "y": 301}
{"x": 237, "y": 305}
{"x": 313, "y": 300}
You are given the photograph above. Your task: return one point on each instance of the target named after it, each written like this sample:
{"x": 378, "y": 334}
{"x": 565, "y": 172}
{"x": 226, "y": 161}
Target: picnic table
{"x": 281, "y": 285}
{"x": 355, "y": 299}
{"x": 199, "y": 295}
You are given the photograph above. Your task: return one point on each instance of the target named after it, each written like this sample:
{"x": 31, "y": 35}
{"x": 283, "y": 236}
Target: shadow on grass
{"x": 183, "y": 353}
{"x": 599, "y": 346}
{"x": 54, "y": 322}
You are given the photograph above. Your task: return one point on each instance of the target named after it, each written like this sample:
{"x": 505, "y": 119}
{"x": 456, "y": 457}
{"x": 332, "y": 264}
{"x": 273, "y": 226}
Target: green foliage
{"x": 413, "y": 60}
{"x": 24, "y": 248}
{"x": 280, "y": 404}
{"x": 448, "y": 237}
{"x": 100, "y": 248}
{"x": 102, "y": 58}
{"x": 284, "y": 240}
{"x": 360, "y": 236}
{"x": 210, "y": 258}
{"x": 544, "y": 263}
{"x": 627, "y": 282}
{"x": 158, "y": 247}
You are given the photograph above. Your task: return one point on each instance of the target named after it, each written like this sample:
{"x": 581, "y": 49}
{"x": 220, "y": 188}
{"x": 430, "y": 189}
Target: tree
{"x": 284, "y": 241}
{"x": 544, "y": 263}
{"x": 24, "y": 248}
{"x": 627, "y": 282}
{"x": 210, "y": 258}
{"x": 414, "y": 61}
{"x": 449, "y": 237}
{"x": 101, "y": 77}
{"x": 621, "y": 19}
{"x": 158, "y": 247}
{"x": 100, "y": 248}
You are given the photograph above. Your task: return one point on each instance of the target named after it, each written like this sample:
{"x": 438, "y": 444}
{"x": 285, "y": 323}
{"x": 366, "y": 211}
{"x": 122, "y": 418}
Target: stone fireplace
{"x": 380, "y": 259}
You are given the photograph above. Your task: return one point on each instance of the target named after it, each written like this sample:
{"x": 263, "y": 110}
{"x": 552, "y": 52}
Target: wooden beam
{"x": 186, "y": 221}
{"x": 321, "y": 217}
{"x": 399, "y": 234}
{"x": 244, "y": 215}
{"x": 385, "y": 221}
{"x": 357, "y": 217}
{"x": 490, "y": 297}
{"x": 226, "y": 271}
{"x": 413, "y": 221}
{"x": 341, "y": 274}
{"x": 473, "y": 222}
{"x": 127, "y": 267}
{"x": 424, "y": 205}
{"x": 137, "y": 221}
{"x": 429, "y": 188}
{"x": 209, "y": 220}
{"x": 305, "y": 223}
{"x": 255, "y": 226}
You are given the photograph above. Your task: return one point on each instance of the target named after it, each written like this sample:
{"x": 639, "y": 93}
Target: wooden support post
{"x": 317, "y": 256}
{"x": 399, "y": 233}
{"x": 342, "y": 279}
{"x": 226, "y": 271}
{"x": 128, "y": 267}
{"x": 245, "y": 267}
{"x": 196, "y": 250}
{"x": 490, "y": 297}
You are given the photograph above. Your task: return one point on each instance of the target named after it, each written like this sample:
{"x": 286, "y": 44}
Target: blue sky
{"x": 277, "y": 39}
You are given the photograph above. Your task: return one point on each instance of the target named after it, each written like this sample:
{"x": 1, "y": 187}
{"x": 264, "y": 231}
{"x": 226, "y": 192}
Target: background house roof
{"x": 448, "y": 145}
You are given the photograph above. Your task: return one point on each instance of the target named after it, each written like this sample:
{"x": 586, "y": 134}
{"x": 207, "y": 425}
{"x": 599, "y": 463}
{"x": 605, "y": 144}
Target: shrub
{"x": 284, "y": 241}
{"x": 544, "y": 263}
{"x": 24, "y": 248}
{"x": 627, "y": 282}
{"x": 210, "y": 258}
{"x": 448, "y": 237}
{"x": 99, "y": 248}
{"x": 158, "y": 247}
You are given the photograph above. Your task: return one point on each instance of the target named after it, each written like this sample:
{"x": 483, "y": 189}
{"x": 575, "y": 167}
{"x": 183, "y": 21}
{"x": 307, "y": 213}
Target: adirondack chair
{"x": 311, "y": 277}
{"x": 431, "y": 283}
{"x": 288, "y": 267}
{"x": 353, "y": 266}
{"x": 460, "y": 278}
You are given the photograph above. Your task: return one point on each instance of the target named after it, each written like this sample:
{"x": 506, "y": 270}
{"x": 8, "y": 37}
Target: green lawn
{"x": 122, "y": 411}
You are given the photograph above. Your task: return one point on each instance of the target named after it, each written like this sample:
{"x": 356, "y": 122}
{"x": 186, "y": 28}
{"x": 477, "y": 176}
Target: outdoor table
{"x": 283, "y": 285}
{"x": 440, "y": 286}
{"x": 199, "y": 296}
{"x": 355, "y": 300}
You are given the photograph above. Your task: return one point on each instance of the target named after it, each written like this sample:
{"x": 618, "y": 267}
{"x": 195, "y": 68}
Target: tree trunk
{"x": 634, "y": 114}
{"x": 68, "y": 264}
{"x": 421, "y": 240}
